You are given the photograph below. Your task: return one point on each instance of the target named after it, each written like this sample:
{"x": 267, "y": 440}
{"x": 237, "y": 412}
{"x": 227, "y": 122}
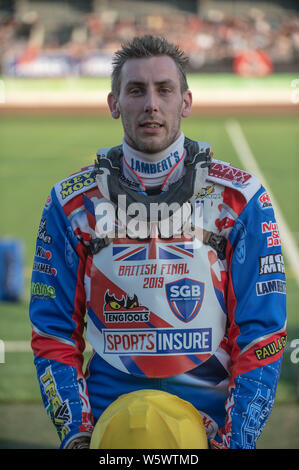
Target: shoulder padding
{"x": 230, "y": 176}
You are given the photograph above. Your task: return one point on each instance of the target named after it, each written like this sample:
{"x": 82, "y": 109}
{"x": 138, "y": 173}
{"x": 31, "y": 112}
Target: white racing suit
{"x": 170, "y": 314}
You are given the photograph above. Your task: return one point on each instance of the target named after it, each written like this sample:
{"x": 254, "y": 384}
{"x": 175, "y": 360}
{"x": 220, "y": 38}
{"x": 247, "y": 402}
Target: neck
{"x": 154, "y": 170}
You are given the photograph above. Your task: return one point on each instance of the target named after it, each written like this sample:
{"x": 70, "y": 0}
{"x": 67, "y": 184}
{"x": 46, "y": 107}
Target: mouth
{"x": 151, "y": 124}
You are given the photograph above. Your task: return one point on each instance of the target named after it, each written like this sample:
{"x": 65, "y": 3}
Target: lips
{"x": 151, "y": 124}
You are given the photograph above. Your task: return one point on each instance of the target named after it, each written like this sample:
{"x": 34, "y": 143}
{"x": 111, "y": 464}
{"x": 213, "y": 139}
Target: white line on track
{"x": 17, "y": 346}
{"x": 246, "y": 156}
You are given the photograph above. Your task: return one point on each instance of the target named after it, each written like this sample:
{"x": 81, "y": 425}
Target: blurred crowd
{"x": 210, "y": 40}
{"x": 214, "y": 39}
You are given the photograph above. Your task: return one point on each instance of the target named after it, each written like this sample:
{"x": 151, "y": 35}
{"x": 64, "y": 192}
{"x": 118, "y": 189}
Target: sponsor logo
{"x": 240, "y": 250}
{"x": 271, "y": 228}
{"x": 185, "y": 298}
{"x": 124, "y": 310}
{"x": 42, "y": 234}
{"x": 128, "y": 182}
{"x": 264, "y": 200}
{"x": 76, "y": 183}
{"x": 237, "y": 177}
{"x": 270, "y": 349}
{"x": 157, "y": 341}
{"x": 270, "y": 287}
{"x": 39, "y": 289}
{"x": 208, "y": 193}
{"x": 44, "y": 268}
{"x": 210, "y": 425}
{"x": 153, "y": 168}
{"x": 42, "y": 253}
{"x": 272, "y": 263}
{"x": 58, "y": 410}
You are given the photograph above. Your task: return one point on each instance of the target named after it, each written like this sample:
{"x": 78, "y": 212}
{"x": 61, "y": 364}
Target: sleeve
{"x": 256, "y": 300}
{"x": 57, "y": 311}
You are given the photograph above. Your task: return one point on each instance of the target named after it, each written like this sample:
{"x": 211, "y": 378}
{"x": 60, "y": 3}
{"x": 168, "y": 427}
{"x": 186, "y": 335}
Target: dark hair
{"x": 143, "y": 47}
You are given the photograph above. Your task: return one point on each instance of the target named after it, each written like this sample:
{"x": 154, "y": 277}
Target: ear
{"x": 187, "y": 104}
{"x": 112, "y": 101}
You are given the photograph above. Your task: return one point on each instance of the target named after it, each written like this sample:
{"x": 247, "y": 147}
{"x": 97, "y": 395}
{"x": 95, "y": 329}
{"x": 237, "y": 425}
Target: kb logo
{"x": 185, "y": 298}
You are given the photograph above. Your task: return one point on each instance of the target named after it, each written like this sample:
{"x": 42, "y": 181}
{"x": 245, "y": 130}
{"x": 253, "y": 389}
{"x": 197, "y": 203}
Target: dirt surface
{"x": 206, "y": 101}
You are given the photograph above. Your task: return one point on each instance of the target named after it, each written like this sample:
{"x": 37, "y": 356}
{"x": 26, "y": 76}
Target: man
{"x": 189, "y": 300}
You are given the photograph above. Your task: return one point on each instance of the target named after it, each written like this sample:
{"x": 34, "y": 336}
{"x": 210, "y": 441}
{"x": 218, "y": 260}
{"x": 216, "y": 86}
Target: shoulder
{"x": 75, "y": 184}
{"x": 240, "y": 182}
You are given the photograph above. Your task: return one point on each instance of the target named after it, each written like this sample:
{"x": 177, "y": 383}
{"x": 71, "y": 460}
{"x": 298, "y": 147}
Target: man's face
{"x": 150, "y": 103}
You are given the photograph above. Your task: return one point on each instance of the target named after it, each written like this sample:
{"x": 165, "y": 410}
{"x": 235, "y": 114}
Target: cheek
{"x": 128, "y": 112}
{"x": 128, "y": 122}
{"x": 175, "y": 117}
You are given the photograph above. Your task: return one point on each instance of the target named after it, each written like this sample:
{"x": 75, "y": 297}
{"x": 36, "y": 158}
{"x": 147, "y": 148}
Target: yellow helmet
{"x": 149, "y": 419}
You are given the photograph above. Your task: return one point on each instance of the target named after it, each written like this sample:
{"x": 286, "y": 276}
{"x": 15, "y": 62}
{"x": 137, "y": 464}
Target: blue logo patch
{"x": 240, "y": 249}
{"x": 185, "y": 298}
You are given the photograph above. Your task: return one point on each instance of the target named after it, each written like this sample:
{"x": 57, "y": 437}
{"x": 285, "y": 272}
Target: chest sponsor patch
{"x": 185, "y": 298}
{"x": 124, "y": 310}
{"x": 157, "y": 341}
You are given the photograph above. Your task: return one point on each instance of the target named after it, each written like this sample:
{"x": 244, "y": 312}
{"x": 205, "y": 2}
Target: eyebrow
{"x": 167, "y": 81}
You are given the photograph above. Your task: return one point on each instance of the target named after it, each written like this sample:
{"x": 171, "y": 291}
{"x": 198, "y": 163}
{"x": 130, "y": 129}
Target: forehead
{"x": 149, "y": 70}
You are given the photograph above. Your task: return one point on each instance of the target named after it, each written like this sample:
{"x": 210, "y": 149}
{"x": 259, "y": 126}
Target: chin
{"x": 151, "y": 149}
{"x": 152, "y": 146}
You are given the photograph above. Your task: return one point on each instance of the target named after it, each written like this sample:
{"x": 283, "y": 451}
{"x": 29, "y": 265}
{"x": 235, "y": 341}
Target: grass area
{"x": 281, "y": 431}
{"x": 38, "y": 151}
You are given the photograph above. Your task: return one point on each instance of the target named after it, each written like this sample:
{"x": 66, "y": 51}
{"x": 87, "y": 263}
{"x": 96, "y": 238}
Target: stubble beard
{"x": 151, "y": 146}
{"x": 148, "y": 145}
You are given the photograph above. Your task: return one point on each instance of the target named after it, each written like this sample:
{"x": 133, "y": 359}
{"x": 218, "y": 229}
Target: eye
{"x": 135, "y": 91}
{"x": 115, "y": 305}
{"x": 133, "y": 305}
{"x": 165, "y": 90}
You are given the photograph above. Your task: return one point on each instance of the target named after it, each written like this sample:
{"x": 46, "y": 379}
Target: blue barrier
{"x": 11, "y": 269}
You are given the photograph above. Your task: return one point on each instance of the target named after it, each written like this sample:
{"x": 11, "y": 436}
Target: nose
{"x": 151, "y": 102}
